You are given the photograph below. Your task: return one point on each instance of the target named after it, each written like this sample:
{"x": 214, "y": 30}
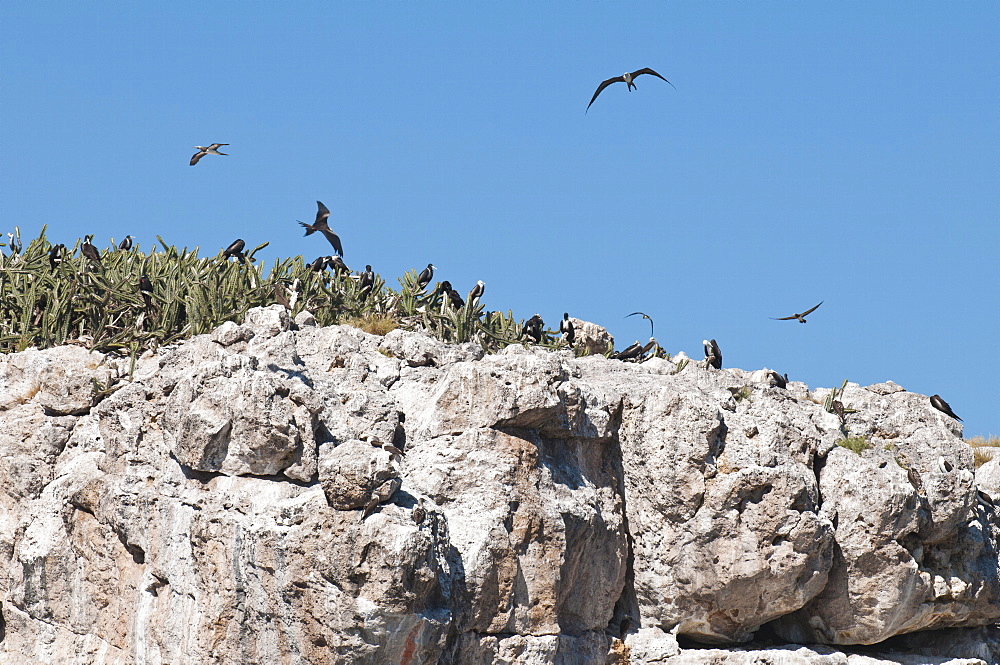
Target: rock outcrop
{"x": 251, "y": 496}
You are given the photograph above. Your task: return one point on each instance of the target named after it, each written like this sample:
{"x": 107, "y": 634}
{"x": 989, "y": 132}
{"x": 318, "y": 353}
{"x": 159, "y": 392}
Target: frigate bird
{"x": 145, "y": 289}
{"x": 425, "y": 276}
{"x": 452, "y": 294}
{"x": 627, "y": 78}
{"x": 533, "y": 328}
{"x": 944, "y": 466}
{"x": 419, "y": 512}
{"x": 645, "y": 316}
{"x": 942, "y": 406}
{"x": 318, "y": 264}
{"x": 367, "y": 280}
{"x": 207, "y": 150}
{"x": 56, "y": 255}
{"x": 90, "y": 251}
{"x": 801, "y": 318}
{"x": 125, "y": 244}
{"x": 334, "y": 262}
{"x": 566, "y": 329}
{"x": 477, "y": 291}
{"x": 393, "y": 451}
{"x": 321, "y": 225}
{"x": 15, "y": 243}
{"x": 235, "y": 249}
{"x": 629, "y": 352}
{"x": 713, "y": 354}
{"x": 651, "y": 345}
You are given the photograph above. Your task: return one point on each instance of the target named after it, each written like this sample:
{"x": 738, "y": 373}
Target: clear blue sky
{"x": 845, "y": 152}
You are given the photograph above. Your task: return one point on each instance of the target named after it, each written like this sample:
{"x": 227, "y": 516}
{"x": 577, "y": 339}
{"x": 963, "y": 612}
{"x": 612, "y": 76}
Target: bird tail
{"x": 309, "y": 230}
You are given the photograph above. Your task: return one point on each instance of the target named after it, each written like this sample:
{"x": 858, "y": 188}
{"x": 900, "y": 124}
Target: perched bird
{"x": 914, "y": 478}
{"x": 645, "y": 316}
{"x": 90, "y": 251}
{"x": 369, "y": 507}
{"x": 145, "y": 289}
{"x": 566, "y": 329}
{"x": 323, "y": 227}
{"x": 126, "y": 244}
{"x": 651, "y": 345}
{"x": 318, "y": 264}
{"x": 626, "y": 78}
{"x": 419, "y": 512}
{"x": 452, "y": 294}
{"x": 838, "y": 407}
{"x": 235, "y": 249}
{"x": 367, "y": 280}
{"x": 425, "y": 276}
{"x": 15, "y": 243}
{"x": 801, "y": 318}
{"x": 942, "y": 406}
{"x": 477, "y": 291}
{"x": 944, "y": 466}
{"x": 336, "y": 263}
{"x": 210, "y": 150}
{"x": 281, "y": 296}
{"x": 533, "y": 328}
{"x": 629, "y": 352}
{"x": 713, "y": 354}
{"x": 56, "y": 255}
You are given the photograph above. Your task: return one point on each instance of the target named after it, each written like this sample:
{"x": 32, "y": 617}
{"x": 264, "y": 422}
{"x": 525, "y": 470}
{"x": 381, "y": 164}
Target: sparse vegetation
{"x": 855, "y": 444}
{"x": 983, "y": 448}
{"x": 742, "y": 394}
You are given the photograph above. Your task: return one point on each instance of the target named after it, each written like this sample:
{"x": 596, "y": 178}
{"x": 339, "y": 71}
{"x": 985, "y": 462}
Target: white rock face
{"x": 577, "y": 510}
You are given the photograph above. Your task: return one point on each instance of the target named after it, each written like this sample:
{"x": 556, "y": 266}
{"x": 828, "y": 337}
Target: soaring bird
{"x": 566, "y": 329}
{"x": 425, "y": 276}
{"x": 210, "y": 150}
{"x": 801, "y": 318}
{"x": 477, "y": 291}
{"x": 90, "y": 251}
{"x": 533, "y": 328}
{"x": 56, "y": 255}
{"x": 337, "y": 263}
{"x": 321, "y": 225}
{"x": 367, "y": 280}
{"x": 626, "y": 78}
{"x": 942, "y": 406}
{"x": 645, "y": 316}
{"x": 126, "y": 244}
{"x": 235, "y": 249}
{"x": 713, "y": 354}
{"x": 145, "y": 289}
{"x": 629, "y": 352}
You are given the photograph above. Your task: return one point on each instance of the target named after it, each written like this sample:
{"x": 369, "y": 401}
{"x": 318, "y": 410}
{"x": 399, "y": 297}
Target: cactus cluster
{"x": 52, "y": 295}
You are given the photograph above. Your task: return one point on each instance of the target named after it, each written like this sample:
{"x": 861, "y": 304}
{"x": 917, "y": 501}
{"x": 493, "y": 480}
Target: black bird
{"x": 713, "y": 354}
{"x": 367, "y": 280}
{"x": 801, "y": 318}
{"x": 533, "y": 328}
{"x": 425, "y": 276}
{"x": 629, "y": 352}
{"x": 477, "y": 291}
{"x": 626, "y": 78}
{"x": 126, "y": 244}
{"x": 645, "y": 316}
{"x": 337, "y": 263}
{"x": 236, "y": 249}
{"x": 90, "y": 251}
{"x": 206, "y": 150}
{"x": 323, "y": 227}
{"x": 779, "y": 380}
{"x": 452, "y": 294}
{"x": 56, "y": 255}
{"x": 566, "y": 329}
{"x": 145, "y": 289}
{"x": 318, "y": 264}
{"x": 650, "y": 346}
{"x": 942, "y": 406}
{"x": 944, "y": 466}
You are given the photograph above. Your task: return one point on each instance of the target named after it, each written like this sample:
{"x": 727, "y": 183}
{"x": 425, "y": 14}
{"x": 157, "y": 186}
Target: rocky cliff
{"x": 278, "y": 492}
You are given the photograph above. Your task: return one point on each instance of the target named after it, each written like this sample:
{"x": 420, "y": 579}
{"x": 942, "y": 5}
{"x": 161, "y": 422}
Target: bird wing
{"x": 322, "y": 212}
{"x": 334, "y": 240}
{"x": 216, "y": 146}
{"x": 811, "y": 310}
{"x": 716, "y": 351}
{"x": 784, "y": 318}
{"x": 647, "y": 70}
{"x": 605, "y": 84}
{"x": 197, "y": 156}
{"x": 642, "y": 314}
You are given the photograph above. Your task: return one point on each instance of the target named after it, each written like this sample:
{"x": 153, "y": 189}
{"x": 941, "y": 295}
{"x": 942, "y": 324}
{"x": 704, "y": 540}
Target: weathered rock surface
{"x": 578, "y": 510}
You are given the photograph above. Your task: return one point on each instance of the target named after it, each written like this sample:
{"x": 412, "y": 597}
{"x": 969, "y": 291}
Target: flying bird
{"x": 90, "y": 251}
{"x": 801, "y": 318}
{"x": 533, "y": 328}
{"x": 626, "y": 78}
{"x": 321, "y": 225}
{"x": 235, "y": 249}
{"x": 425, "y": 276}
{"x": 210, "y": 150}
{"x": 566, "y": 329}
{"x": 126, "y": 244}
{"x": 942, "y": 406}
{"x": 647, "y": 317}
{"x": 477, "y": 291}
{"x": 713, "y": 354}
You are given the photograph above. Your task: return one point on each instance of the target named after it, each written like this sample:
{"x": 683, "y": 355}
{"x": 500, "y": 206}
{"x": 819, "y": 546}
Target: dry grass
{"x": 982, "y": 448}
{"x": 375, "y": 324}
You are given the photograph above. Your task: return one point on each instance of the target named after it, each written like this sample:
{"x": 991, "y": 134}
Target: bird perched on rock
{"x": 566, "y": 329}
{"x": 145, "y": 289}
{"x": 323, "y": 226}
{"x": 629, "y": 352}
{"x": 90, "y": 251}
{"x": 533, "y": 328}
{"x": 56, "y": 255}
{"x": 838, "y": 407}
{"x": 801, "y": 318}
{"x": 207, "y": 150}
{"x": 649, "y": 351}
{"x": 419, "y": 512}
{"x": 477, "y": 291}
{"x": 713, "y": 354}
{"x": 627, "y": 78}
{"x": 942, "y": 406}
{"x": 425, "y": 276}
{"x": 944, "y": 466}
{"x": 914, "y": 478}
{"x": 235, "y": 249}
{"x": 125, "y": 244}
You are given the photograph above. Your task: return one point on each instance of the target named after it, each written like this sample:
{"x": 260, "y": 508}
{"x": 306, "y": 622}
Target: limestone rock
{"x": 591, "y": 339}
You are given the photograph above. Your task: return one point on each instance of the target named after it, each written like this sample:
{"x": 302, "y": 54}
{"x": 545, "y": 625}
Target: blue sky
{"x": 844, "y": 152}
